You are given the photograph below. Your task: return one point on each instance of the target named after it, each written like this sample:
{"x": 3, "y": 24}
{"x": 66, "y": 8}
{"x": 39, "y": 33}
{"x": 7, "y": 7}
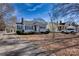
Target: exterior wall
{"x": 19, "y": 27}
{"x": 43, "y": 29}
{"x": 61, "y": 27}
{"x": 28, "y": 28}
{"x": 49, "y": 26}
{"x": 31, "y": 28}
{"x": 9, "y": 30}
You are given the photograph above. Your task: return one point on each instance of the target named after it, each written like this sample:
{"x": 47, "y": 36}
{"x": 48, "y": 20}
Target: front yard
{"x": 41, "y": 44}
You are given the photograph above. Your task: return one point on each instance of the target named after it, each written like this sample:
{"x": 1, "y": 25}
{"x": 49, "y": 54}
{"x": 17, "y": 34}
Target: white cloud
{"x": 36, "y": 7}
{"x": 15, "y": 13}
{"x": 26, "y": 19}
{"x": 28, "y": 4}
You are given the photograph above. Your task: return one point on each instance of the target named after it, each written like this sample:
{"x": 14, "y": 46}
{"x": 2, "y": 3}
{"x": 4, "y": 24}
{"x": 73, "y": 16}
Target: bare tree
{"x": 2, "y": 23}
{"x": 52, "y": 23}
{"x": 6, "y": 11}
{"x": 63, "y": 11}
{"x": 53, "y": 16}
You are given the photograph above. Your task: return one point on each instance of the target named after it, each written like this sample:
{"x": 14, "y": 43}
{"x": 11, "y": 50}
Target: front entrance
{"x": 36, "y": 28}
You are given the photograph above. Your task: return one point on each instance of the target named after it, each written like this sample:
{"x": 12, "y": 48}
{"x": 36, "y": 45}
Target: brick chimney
{"x": 60, "y": 22}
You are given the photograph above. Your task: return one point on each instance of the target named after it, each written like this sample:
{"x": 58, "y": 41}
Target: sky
{"x": 30, "y": 11}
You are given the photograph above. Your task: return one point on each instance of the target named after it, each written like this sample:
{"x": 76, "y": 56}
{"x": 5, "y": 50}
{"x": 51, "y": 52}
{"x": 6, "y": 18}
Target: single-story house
{"x": 31, "y": 26}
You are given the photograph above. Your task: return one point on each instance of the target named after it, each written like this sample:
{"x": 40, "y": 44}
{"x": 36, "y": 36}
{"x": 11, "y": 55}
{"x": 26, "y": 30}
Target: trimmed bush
{"x": 19, "y": 32}
{"x": 22, "y": 33}
{"x": 29, "y": 33}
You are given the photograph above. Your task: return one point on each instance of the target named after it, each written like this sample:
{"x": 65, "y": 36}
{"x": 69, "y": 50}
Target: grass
{"x": 63, "y": 44}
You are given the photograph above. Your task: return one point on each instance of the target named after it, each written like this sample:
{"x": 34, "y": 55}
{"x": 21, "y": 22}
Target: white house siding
{"x": 19, "y": 27}
{"x": 29, "y": 26}
{"x": 43, "y": 29}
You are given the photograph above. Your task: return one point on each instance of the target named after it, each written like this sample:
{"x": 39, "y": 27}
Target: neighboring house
{"x": 59, "y": 26}
{"x": 11, "y": 26}
{"x": 10, "y": 29}
{"x": 50, "y": 27}
{"x": 31, "y": 26}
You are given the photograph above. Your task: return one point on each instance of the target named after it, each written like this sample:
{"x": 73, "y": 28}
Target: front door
{"x": 36, "y": 28}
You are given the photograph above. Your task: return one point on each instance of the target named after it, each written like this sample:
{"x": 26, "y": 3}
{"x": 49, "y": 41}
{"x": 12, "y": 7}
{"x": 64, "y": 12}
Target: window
{"x": 28, "y": 27}
{"x": 19, "y": 26}
{"x": 25, "y": 27}
{"x": 59, "y": 27}
{"x": 70, "y": 29}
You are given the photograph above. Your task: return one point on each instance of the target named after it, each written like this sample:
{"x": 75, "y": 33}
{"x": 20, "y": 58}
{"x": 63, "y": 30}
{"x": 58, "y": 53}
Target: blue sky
{"x": 32, "y": 10}
{"x": 29, "y": 11}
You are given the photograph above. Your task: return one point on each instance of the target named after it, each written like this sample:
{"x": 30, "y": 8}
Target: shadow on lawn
{"x": 12, "y": 42}
{"x": 20, "y": 51}
{"x": 59, "y": 49}
{"x": 23, "y": 50}
{"x": 60, "y": 40}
